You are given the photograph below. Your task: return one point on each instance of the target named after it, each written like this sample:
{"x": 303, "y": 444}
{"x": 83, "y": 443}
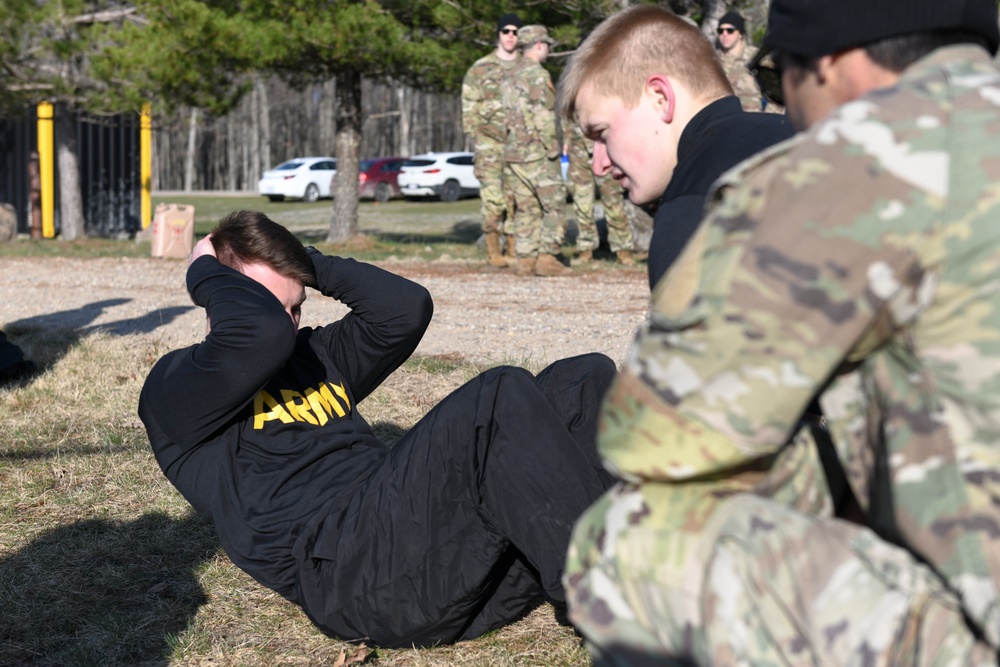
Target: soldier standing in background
{"x": 483, "y": 120}
{"x": 734, "y": 54}
{"x": 531, "y": 154}
{"x": 580, "y": 179}
{"x": 855, "y": 266}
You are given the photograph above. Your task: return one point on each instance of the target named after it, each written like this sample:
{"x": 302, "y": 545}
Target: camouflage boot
{"x": 493, "y": 255}
{"x": 525, "y": 266}
{"x": 548, "y": 266}
{"x": 510, "y": 249}
{"x": 625, "y": 258}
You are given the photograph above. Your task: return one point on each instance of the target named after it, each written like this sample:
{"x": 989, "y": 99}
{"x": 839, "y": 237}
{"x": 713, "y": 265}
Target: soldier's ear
{"x": 661, "y": 91}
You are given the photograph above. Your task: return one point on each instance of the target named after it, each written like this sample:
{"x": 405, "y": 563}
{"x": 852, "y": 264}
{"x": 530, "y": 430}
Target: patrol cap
{"x": 735, "y": 20}
{"x": 531, "y": 34}
{"x": 509, "y": 19}
{"x": 813, "y": 28}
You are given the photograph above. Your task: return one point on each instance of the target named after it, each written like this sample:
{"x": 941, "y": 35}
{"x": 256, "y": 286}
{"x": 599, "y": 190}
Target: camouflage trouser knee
{"x": 492, "y": 203}
{"x": 612, "y": 199}
{"x": 540, "y": 198}
{"x": 747, "y": 580}
{"x": 580, "y": 181}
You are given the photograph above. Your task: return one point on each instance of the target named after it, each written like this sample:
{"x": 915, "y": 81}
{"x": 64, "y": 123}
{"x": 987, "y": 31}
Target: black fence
{"x": 110, "y": 184}
{"x": 18, "y": 138}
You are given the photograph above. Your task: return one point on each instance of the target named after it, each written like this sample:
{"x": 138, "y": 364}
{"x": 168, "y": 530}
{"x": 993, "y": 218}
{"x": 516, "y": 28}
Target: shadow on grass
{"x": 464, "y": 232}
{"x": 99, "y": 592}
{"x": 47, "y": 338}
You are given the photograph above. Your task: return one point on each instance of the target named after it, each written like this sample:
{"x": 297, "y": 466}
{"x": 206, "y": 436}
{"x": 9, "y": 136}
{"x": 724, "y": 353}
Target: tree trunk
{"x": 265, "y": 128}
{"x": 232, "y": 156}
{"x": 403, "y": 145}
{"x": 192, "y": 146}
{"x": 71, "y": 219}
{"x": 344, "y": 223}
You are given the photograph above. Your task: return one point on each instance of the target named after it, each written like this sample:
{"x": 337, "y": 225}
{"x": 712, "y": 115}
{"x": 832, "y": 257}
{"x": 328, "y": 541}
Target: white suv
{"x": 447, "y": 176}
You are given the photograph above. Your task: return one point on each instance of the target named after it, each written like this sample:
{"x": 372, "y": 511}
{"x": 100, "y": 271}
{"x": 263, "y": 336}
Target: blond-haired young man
{"x": 647, "y": 88}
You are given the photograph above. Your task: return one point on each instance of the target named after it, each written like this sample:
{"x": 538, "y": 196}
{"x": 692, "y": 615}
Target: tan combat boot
{"x": 493, "y": 255}
{"x": 510, "y": 249}
{"x": 625, "y": 258}
{"x": 548, "y": 266}
{"x": 585, "y": 257}
{"x": 525, "y": 266}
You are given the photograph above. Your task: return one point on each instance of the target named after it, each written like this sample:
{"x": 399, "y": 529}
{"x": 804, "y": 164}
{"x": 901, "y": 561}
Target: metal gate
{"x": 18, "y": 137}
{"x": 108, "y": 153}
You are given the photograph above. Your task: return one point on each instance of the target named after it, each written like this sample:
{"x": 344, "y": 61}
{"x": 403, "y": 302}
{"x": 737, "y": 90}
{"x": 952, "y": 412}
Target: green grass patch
{"x": 405, "y": 230}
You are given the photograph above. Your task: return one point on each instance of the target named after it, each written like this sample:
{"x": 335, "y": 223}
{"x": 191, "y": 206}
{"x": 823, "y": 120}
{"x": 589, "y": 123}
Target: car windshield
{"x": 367, "y": 164}
{"x": 288, "y": 166}
{"x": 419, "y": 163}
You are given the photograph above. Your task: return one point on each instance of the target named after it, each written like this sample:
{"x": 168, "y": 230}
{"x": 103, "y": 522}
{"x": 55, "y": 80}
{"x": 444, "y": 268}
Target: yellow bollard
{"x": 146, "y": 164}
{"x": 46, "y": 163}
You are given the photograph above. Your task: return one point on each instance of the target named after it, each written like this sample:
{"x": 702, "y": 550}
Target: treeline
{"x": 275, "y": 122}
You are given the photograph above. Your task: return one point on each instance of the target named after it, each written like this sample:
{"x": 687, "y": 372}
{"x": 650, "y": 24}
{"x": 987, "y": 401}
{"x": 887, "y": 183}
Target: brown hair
{"x": 635, "y": 43}
{"x": 250, "y": 237}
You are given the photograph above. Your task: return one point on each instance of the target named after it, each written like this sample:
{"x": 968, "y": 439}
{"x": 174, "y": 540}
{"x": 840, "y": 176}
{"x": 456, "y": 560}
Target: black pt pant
{"x": 466, "y": 523}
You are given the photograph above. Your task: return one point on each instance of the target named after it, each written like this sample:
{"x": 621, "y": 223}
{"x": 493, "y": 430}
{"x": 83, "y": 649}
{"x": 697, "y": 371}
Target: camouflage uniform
{"x": 885, "y": 304}
{"x": 743, "y": 83}
{"x": 580, "y": 177}
{"x": 532, "y": 155}
{"x": 483, "y": 120}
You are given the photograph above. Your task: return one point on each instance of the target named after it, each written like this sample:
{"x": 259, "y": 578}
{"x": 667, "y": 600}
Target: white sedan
{"x": 447, "y": 176}
{"x": 305, "y": 178}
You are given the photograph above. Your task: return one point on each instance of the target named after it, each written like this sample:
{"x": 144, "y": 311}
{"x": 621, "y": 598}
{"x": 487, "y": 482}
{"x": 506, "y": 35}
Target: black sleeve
{"x": 190, "y": 393}
{"x": 388, "y": 317}
{"x": 674, "y": 225}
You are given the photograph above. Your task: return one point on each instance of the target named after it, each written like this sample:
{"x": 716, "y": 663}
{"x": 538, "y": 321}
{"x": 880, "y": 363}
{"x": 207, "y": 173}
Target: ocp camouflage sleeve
{"x": 529, "y": 103}
{"x": 859, "y": 263}
{"x": 482, "y": 100}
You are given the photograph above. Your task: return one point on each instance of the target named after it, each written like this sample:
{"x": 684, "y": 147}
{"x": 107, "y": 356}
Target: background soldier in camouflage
{"x": 857, "y": 264}
{"x": 580, "y": 180}
{"x": 483, "y": 120}
{"x": 734, "y": 54}
{"x": 532, "y": 159}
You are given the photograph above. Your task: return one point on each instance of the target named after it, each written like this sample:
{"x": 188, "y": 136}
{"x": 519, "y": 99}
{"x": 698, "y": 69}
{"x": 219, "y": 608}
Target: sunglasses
{"x": 727, "y": 31}
{"x": 766, "y": 71}
{"x": 508, "y": 31}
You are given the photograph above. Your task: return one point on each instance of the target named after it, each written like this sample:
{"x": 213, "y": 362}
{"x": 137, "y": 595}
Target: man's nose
{"x": 600, "y": 163}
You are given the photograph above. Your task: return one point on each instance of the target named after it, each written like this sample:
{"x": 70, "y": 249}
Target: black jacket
{"x": 257, "y": 427}
{"x": 719, "y": 137}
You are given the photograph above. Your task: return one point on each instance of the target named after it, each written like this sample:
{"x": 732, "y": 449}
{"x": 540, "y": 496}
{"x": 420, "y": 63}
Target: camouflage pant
{"x": 580, "y": 180}
{"x": 488, "y": 169}
{"x": 747, "y": 580}
{"x": 539, "y": 221}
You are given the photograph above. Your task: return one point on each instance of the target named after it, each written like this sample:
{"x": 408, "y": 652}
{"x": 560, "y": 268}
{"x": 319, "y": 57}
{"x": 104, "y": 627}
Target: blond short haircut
{"x": 629, "y": 46}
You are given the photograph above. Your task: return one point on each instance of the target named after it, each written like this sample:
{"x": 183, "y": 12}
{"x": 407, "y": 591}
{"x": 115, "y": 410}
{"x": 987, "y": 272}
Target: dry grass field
{"x": 102, "y": 562}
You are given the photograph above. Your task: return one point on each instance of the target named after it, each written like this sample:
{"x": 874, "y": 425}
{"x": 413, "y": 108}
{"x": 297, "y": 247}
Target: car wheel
{"x": 450, "y": 191}
{"x": 276, "y": 197}
{"x": 312, "y": 193}
{"x": 382, "y": 192}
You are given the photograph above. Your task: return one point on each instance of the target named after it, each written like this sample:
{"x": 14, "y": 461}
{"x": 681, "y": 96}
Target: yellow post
{"x": 146, "y": 164}
{"x": 46, "y": 168}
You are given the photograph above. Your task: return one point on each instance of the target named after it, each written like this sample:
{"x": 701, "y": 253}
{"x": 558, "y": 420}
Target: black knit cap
{"x": 813, "y": 28}
{"x": 509, "y": 19}
{"x": 735, "y": 20}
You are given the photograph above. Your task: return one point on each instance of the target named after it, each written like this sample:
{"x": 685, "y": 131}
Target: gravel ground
{"x": 484, "y": 317}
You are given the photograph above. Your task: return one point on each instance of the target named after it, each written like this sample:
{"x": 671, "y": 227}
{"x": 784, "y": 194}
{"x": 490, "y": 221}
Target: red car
{"x": 378, "y": 178}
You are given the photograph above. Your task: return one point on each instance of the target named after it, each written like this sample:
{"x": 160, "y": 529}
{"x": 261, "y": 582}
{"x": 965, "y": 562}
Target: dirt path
{"x": 479, "y": 316}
